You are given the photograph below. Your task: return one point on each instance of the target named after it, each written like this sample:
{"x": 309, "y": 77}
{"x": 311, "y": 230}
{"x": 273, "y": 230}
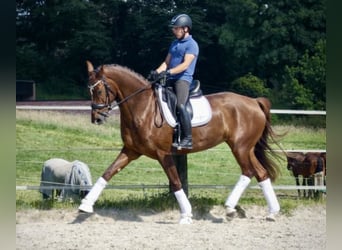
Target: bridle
{"x": 108, "y": 104}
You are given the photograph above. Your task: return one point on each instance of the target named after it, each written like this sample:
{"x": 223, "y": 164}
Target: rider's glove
{"x": 164, "y": 74}
{"x": 153, "y": 76}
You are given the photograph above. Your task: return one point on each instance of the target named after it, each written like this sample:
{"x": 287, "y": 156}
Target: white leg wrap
{"x": 237, "y": 191}
{"x": 270, "y": 196}
{"x": 183, "y": 202}
{"x": 92, "y": 196}
{"x": 185, "y": 207}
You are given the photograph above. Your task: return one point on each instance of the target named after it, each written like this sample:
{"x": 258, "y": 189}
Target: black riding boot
{"x": 185, "y": 124}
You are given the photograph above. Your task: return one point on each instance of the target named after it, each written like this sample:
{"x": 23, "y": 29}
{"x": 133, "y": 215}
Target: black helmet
{"x": 181, "y": 20}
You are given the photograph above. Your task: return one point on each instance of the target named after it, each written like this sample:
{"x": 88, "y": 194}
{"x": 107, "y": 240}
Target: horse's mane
{"x": 128, "y": 71}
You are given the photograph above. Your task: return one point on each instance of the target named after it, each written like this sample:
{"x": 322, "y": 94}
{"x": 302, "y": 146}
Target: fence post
{"x": 181, "y": 162}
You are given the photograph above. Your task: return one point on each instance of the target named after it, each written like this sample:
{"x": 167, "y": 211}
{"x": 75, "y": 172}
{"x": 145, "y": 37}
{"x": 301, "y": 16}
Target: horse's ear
{"x": 90, "y": 66}
{"x": 101, "y": 70}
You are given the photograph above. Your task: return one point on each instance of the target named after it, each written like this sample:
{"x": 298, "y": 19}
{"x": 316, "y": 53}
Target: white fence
{"x": 58, "y": 107}
{"x": 142, "y": 186}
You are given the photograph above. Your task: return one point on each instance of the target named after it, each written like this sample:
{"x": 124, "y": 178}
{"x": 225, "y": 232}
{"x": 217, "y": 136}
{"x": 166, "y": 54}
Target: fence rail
{"x": 149, "y": 186}
{"x": 59, "y": 107}
{"x": 159, "y": 186}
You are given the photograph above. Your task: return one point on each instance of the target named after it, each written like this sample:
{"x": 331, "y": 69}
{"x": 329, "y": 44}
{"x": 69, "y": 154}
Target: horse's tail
{"x": 263, "y": 150}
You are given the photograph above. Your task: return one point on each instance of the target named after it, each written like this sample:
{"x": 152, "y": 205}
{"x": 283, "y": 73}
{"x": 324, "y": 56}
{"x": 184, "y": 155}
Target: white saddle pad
{"x": 200, "y": 107}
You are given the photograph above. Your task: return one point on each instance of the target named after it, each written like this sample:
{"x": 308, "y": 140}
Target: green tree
{"x": 273, "y": 41}
{"x": 250, "y": 85}
{"x": 53, "y": 40}
{"x": 304, "y": 85}
{"x": 262, "y": 37}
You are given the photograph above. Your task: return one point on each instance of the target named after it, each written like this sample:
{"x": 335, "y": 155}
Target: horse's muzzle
{"x": 98, "y": 117}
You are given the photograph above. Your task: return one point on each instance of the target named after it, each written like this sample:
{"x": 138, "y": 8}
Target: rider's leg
{"x": 186, "y": 137}
{"x": 182, "y": 92}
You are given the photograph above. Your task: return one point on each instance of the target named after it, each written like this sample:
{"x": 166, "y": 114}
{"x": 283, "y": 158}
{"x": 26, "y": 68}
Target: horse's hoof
{"x": 86, "y": 208}
{"x": 240, "y": 211}
{"x": 185, "y": 219}
{"x": 231, "y": 212}
{"x": 271, "y": 217}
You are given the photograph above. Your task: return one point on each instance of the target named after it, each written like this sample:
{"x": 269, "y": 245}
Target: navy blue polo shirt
{"x": 178, "y": 49}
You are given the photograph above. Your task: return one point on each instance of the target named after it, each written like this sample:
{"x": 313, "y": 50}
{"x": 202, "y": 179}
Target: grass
{"x": 41, "y": 135}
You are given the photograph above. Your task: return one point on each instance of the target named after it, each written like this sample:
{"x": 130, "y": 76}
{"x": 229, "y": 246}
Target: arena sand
{"x": 304, "y": 228}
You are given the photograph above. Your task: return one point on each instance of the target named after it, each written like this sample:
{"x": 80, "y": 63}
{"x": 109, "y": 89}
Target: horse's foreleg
{"x": 171, "y": 171}
{"x": 311, "y": 183}
{"x": 304, "y": 185}
{"x": 121, "y": 161}
{"x": 297, "y": 183}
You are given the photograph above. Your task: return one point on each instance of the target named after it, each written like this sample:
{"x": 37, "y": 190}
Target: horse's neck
{"x": 139, "y": 105}
{"x": 136, "y": 97}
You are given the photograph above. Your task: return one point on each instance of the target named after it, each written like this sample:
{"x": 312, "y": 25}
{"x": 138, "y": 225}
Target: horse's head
{"x": 101, "y": 94}
{"x": 294, "y": 160}
{"x": 290, "y": 163}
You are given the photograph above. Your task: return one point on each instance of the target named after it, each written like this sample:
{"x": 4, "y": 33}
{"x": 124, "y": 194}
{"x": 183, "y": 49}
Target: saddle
{"x": 197, "y": 106}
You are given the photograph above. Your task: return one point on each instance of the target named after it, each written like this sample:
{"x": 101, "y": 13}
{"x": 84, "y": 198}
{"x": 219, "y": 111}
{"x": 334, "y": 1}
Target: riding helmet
{"x": 181, "y": 20}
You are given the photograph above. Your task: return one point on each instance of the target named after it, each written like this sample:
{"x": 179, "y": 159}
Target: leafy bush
{"x": 250, "y": 85}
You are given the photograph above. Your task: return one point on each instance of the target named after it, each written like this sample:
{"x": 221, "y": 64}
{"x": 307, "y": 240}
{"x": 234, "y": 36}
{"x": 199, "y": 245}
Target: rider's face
{"x": 178, "y": 32}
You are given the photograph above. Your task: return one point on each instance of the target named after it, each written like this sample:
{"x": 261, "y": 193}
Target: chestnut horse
{"x": 242, "y": 122}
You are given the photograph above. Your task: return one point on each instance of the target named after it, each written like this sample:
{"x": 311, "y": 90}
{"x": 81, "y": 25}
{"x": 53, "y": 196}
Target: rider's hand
{"x": 164, "y": 74}
{"x": 153, "y": 75}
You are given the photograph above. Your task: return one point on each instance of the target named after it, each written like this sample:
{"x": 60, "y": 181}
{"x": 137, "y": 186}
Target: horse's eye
{"x": 99, "y": 92}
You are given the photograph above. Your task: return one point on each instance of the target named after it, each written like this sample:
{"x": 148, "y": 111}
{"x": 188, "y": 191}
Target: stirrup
{"x": 185, "y": 144}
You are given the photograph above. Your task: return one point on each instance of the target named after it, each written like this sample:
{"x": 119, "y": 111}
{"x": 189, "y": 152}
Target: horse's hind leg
{"x": 264, "y": 182}
{"x": 235, "y": 195}
{"x": 241, "y": 185}
{"x": 250, "y": 167}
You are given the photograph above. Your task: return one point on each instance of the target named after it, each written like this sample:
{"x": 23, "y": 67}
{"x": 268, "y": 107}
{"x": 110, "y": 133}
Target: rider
{"x": 179, "y": 66}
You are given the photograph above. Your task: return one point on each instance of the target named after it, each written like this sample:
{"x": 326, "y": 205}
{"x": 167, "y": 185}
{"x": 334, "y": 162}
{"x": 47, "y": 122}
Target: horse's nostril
{"x": 98, "y": 121}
